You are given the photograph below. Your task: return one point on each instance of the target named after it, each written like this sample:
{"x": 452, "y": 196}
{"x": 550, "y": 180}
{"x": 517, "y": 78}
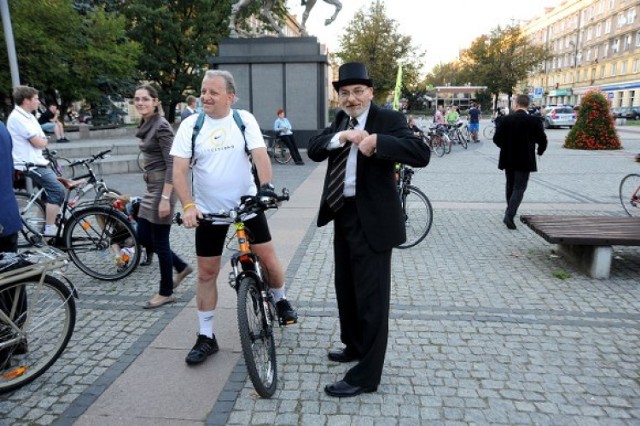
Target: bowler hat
{"x": 352, "y": 73}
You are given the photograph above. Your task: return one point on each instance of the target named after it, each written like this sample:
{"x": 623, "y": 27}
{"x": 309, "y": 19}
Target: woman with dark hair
{"x": 282, "y": 127}
{"x": 156, "y": 209}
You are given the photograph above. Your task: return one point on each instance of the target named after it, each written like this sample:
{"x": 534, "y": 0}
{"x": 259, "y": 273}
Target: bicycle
{"x": 91, "y": 232}
{"x": 417, "y": 209}
{"x": 277, "y": 149}
{"x": 630, "y": 194}
{"x": 60, "y": 165}
{"x": 256, "y": 308}
{"x": 37, "y": 315}
{"x": 489, "y": 131}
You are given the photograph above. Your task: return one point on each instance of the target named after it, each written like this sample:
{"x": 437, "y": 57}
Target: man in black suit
{"x": 362, "y": 146}
{"x": 517, "y": 137}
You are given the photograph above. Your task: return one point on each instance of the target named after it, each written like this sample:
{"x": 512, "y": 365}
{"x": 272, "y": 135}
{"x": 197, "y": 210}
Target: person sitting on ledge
{"x": 51, "y": 124}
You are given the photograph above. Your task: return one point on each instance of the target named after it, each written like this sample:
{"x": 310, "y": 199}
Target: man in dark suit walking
{"x": 517, "y": 136}
{"x": 362, "y": 146}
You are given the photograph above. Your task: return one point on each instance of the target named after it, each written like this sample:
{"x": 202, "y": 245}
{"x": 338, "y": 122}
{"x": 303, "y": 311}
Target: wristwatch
{"x": 267, "y": 185}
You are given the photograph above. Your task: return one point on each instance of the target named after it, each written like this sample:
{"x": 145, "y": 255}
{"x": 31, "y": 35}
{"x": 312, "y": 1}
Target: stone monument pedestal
{"x": 279, "y": 72}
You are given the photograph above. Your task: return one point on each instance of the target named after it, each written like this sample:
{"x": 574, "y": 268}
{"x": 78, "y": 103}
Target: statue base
{"x": 279, "y": 72}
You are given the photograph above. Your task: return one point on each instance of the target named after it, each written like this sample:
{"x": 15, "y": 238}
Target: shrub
{"x": 594, "y": 128}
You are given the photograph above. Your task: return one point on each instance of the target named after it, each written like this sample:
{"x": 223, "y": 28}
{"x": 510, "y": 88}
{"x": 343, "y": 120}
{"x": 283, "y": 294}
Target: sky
{"x": 441, "y": 27}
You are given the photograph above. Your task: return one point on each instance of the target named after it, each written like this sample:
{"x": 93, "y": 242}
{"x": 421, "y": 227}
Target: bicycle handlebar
{"x": 93, "y": 158}
{"x": 249, "y": 204}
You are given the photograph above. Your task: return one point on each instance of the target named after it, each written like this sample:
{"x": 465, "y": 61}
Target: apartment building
{"x": 595, "y": 44}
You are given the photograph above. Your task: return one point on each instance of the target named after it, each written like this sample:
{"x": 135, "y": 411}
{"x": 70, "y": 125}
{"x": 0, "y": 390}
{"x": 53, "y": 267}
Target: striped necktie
{"x": 335, "y": 189}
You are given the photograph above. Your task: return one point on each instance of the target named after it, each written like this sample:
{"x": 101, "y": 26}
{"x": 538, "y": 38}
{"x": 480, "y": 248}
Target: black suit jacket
{"x": 517, "y": 135}
{"x": 377, "y": 200}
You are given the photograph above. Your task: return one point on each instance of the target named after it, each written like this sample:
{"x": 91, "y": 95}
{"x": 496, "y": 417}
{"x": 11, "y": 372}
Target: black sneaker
{"x": 202, "y": 349}
{"x": 286, "y": 314}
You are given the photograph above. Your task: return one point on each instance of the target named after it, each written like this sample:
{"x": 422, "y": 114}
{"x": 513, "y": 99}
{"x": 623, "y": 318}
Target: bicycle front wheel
{"x": 489, "y": 131}
{"x": 447, "y": 145}
{"x": 36, "y": 323}
{"x": 418, "y": 215}
{"x": 280, "y": 152}
{"x": 256, "y": 337}
{"x": 630, "y": 194}
{"x": 438, "y": 145}
{"x": 33, "y": 215}
{"x": 94, "y": 236}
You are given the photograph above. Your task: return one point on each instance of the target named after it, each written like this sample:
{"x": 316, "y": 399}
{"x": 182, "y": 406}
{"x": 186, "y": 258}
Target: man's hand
{"x": 367, "y": 146}
{"x": 267, "y": 190}
{"x": 354, "y": 136}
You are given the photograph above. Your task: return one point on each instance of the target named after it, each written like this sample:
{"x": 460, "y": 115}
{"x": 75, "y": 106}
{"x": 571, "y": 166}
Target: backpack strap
{"x": 196, "y": 132}
{"x": 240, "y": 123}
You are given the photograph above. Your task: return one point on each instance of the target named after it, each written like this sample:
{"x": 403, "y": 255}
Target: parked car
{"x": 632, "y": 113}
{"x": 559, "y": 116}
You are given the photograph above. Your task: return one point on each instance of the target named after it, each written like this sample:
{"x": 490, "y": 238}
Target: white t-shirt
{"x": 222, "y": 173}
{"x": 23, "y": 126}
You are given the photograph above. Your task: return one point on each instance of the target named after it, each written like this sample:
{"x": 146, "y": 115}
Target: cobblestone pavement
{"x": 483, "y": 328}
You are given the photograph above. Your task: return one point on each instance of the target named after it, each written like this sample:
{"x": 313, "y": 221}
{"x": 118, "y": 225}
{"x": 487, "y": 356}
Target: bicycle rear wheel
{"x": 418, "y": 215}
{"x": 36, "y": 323}
{"x": 462, "y": 138}
{"x": 438, "y": 145}
{"x": 489, "y": 131}
{"x": 256, "y": 337}
{"x": 280, "y": 151}
{"x": 33, "y": 213}
{"x": 630, "y": 194}
{"x": 93, "y": 236}
{"x": 447, "y": 145}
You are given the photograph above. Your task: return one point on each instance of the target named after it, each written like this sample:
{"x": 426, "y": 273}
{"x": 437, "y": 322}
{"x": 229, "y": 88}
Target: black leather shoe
{"x": 342, "y": 355}
{"x": 343, "y": 389}
{"x": 509, "y": 222}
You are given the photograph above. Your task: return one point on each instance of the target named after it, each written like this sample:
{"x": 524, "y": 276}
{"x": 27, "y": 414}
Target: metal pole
{"x": 11, "y": 47}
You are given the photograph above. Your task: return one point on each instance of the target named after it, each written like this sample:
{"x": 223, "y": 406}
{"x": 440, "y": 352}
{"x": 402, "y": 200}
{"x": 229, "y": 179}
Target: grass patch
{"x": 561, "y": 275}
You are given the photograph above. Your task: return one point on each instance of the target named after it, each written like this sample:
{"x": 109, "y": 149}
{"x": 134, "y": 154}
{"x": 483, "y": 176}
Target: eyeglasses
{"x": 359, "y": 92}
{"x": 143, "y": 99}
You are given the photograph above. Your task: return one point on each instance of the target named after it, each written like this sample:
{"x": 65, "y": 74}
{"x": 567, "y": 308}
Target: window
{"x": 621, "y": 20}
{"x": 627, "y": 42}
{"x": 631, "y": 15}
{"x": 600, "y": 6}
{"x": 615, "y": 45}
{"x": 593, "y": 74}
{"x": 636, "y": 66}
{"x": 599, "y": 29}
{"x": 612, "y": 4}
{"x": 589, "y": 33}
{"x": 602, "y": 71}
{"x": 605, "y": 50}
{"x": 613, "y": 69}
{"x": 623, "y": 68}
{"x": 607, "y": 26}
{"x": 638, "y": 39}
{"x": 588, "y": 54}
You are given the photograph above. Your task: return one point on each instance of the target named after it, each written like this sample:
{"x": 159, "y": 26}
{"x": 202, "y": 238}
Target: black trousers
{"x": 290, "y": 142}
{"x": 363, "y": 286}
{"x": 516, "y": 186}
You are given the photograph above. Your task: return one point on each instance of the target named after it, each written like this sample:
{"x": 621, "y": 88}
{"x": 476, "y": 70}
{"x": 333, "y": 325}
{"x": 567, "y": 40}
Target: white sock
{"x": 50, "y": 230}
{"x": 278, "y": 293}
{"x": 206, "y": 323}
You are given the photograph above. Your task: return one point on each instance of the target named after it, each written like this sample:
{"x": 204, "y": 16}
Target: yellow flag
{"x": 396, "y": 95}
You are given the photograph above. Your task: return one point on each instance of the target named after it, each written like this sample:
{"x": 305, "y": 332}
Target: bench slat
{"x": 585, "y": 230}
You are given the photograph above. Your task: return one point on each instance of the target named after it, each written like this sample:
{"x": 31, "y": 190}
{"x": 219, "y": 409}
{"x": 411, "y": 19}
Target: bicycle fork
{"x": 246, "y": 263}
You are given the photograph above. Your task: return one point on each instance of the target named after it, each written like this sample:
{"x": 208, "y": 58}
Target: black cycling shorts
{"x": 210, "y": 238}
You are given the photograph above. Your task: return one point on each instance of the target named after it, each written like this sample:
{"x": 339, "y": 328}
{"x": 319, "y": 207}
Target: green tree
{"x": 373, "y": 39}
{"x": 594, "y": 127}
{"x": 501, "y": 60}
{"x": 67, "y": 55}
{"x": 177, "y": 37}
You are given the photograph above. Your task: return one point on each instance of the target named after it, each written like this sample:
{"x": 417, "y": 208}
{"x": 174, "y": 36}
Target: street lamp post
{"x": 11, "y": 47}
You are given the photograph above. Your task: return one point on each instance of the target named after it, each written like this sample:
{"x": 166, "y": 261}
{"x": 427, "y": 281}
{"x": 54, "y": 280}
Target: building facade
{"x": 595, "y": 44}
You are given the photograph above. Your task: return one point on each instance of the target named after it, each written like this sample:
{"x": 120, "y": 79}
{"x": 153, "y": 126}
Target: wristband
{"x": 164, "y": 197}
{"x": 187, "y": 206}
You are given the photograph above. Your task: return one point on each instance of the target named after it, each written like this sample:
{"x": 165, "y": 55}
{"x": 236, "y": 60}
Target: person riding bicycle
{"x": 28, "y": 143}
{"x": 222, "y": 174}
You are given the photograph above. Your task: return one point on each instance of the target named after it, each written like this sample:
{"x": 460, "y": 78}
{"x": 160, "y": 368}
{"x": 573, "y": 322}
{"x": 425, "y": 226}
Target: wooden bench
{"x": 587, "y": 240}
